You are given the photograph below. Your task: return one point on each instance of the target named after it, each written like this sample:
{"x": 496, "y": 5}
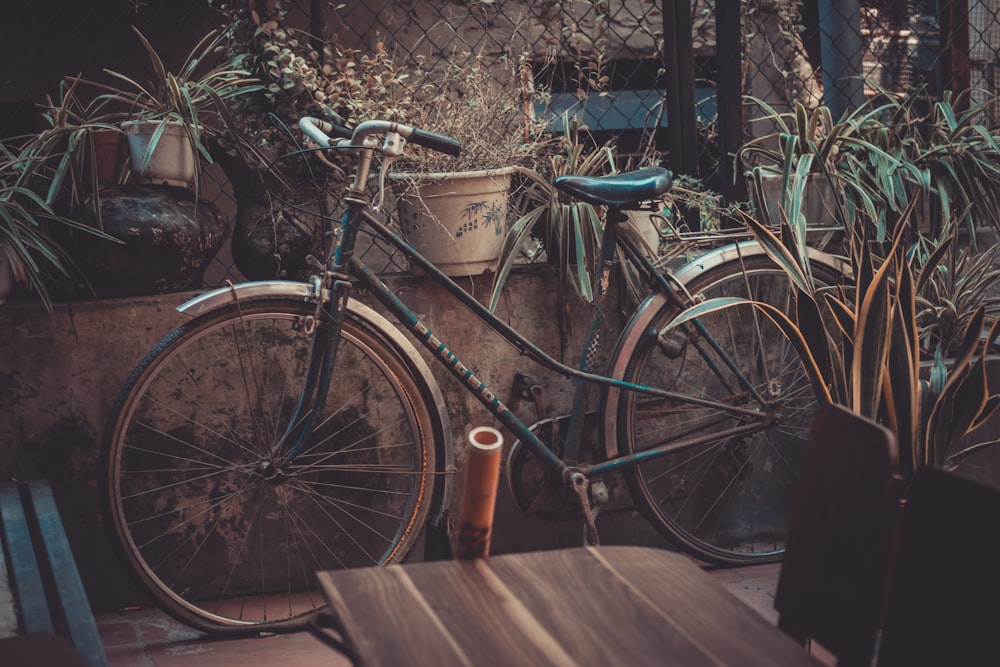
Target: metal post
{"x": 840, "y": 36}
{"x": 680, "y": 87}
{"x": 730, "y": 97}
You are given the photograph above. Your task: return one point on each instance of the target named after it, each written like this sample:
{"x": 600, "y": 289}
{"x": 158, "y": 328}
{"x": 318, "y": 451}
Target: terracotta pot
{"x": 108, "y": 155}
{"x": 6, "y": 276}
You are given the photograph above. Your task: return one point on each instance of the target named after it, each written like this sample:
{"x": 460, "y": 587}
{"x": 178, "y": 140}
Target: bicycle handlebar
{"x": 320, "y": 131}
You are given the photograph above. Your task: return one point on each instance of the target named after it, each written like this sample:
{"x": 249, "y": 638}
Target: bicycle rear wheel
{"x": 225, "y": 540}
{"x": 724, "y": 498}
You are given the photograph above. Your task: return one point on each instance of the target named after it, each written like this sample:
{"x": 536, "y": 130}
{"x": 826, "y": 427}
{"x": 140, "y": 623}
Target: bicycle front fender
{"x": 262, "y": 289}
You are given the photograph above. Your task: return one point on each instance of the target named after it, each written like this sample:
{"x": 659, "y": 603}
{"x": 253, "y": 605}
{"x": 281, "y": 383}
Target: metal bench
{"x": 36, "y": 552}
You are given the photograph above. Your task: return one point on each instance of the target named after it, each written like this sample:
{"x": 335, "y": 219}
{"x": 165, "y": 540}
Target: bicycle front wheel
{"x": 225, "y": 537}
{"x": 723, "y": 495}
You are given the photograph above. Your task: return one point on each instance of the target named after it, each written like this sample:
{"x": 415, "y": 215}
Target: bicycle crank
{"x": 536, "y": 491}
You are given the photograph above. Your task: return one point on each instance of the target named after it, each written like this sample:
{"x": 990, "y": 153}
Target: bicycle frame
{"x": 485, "y": 394}
{"x": 331, "y": 291}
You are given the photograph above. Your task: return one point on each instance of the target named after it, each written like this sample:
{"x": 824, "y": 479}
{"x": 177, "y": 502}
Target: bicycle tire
{"x": 724, "y": 501}
{"x": 223, "y": 540}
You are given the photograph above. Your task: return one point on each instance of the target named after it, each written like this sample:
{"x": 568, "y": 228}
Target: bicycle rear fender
{"x": 733, "y": 251}
{"x": 648, "y": 309}
{"x": 289, "y": 289}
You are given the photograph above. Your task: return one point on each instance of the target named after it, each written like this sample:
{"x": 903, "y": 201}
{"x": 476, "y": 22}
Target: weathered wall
{"x": 59, "y": 375}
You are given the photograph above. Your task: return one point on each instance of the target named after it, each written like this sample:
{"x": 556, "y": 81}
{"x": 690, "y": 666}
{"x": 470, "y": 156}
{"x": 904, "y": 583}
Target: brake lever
{"x": 383, "y": 170}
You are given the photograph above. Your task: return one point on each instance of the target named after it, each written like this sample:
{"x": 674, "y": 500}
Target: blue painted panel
{"x": 620, "y": 109}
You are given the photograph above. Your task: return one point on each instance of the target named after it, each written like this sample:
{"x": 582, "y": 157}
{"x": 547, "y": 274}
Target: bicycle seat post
{"x": 615, "y": 192}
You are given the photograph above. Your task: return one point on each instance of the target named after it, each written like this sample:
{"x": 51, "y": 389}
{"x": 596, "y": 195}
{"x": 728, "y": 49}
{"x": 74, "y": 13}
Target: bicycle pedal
{"x": 581, "y": 485}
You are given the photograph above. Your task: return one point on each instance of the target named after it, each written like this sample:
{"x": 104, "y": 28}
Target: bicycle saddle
{"x": 622, "y": 190}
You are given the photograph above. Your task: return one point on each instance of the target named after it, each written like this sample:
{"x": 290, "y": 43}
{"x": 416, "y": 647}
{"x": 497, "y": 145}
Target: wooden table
{"x": 608, "y": 605}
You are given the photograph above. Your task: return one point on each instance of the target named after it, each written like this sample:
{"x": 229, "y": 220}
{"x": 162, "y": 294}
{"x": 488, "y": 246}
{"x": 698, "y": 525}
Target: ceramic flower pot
{"x": 456, "y": 220}
{"x": 819, "y": 201}
{"x": 172, "y": 160}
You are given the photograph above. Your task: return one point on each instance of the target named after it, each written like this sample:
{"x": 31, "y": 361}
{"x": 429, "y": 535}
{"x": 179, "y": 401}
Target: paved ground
{"x": 147, "y": 638}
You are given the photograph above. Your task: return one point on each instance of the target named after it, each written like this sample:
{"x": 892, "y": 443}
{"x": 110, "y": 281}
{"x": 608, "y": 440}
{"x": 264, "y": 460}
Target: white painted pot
{"x": 456, "y": 220}
{"x": 645, "y": 226}
{"x": 819, "y": 201}
{"x": 172, "y": 161}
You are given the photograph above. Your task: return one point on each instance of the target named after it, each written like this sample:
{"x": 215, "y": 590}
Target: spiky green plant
{"x": 861, "y": 344}
{"x": 568, "y": 227}
{"x": 199, "y": 95}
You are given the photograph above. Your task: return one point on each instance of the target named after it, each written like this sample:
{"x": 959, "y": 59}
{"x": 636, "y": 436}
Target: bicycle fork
{"x": 331, "y": 294}
{"x": 329, "y": 323}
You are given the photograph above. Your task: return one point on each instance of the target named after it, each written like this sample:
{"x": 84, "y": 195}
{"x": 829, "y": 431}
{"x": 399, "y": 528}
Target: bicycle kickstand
{"x": 581, "y": 485}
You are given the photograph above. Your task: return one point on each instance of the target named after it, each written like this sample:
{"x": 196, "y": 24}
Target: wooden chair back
{"x": 833, "y": 580}
{"x": 944, "y": 596}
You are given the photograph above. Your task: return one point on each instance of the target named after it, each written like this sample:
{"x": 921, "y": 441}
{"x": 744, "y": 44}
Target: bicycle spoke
{"x": 720, "y": 484}
{"x": 226, "y": 532}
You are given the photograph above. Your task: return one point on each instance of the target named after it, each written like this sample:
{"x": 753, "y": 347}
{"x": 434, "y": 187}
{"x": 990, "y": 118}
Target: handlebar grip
{"x": 436, "y": 142}
{"x": 339, "y": 131}
{"x": 320, "y": 131}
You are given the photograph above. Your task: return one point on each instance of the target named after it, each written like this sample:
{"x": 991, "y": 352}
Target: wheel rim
{"x": 728, "y": 500}
{"x": 208, "y": 516}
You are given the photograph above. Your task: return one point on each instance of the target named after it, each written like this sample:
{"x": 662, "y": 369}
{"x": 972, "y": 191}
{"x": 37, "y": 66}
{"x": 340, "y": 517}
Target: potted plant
{"x": 911, "y": 342}
{"x": 455, "y": 210}
{"x": 795, "y": 168}
{"x": 938, "y": 154}
{"x": 277, "y": 189}
{"x": 172, "y": 119}
{"x": 568, "y": 229}
{"x": 29, "y": 253}
{"x": 49, "y": 190}
{"x": 890, "y": 157}
{"x": 63, "y": 160}
{"x": 180, "y": 233}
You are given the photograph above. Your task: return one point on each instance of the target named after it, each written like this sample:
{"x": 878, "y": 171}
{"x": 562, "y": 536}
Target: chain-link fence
{"x": 606, "y": 62}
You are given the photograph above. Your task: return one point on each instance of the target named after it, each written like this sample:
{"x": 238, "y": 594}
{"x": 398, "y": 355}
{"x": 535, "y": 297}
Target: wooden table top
{"x": 607, "y": 605}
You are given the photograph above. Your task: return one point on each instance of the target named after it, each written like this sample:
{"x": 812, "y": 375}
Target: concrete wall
{"x": 59, "y": 375}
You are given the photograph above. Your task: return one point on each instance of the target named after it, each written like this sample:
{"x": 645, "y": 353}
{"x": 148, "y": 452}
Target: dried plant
{"x": 473, "y": 103}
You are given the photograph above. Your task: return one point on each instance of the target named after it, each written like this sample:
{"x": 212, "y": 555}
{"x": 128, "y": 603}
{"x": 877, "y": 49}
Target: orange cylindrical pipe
{"x": 482, "y": 478}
